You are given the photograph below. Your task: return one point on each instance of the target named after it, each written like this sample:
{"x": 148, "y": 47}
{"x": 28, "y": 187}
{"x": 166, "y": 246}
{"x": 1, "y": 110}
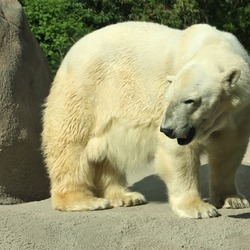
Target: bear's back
{"x": 131, "y": 38}
{"x": 203, "y": 40}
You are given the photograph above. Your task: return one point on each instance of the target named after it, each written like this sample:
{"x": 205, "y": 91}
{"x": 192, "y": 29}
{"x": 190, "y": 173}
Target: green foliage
{"x": 57, "y": 24}
{"x": 230, "y": 15}
{"x": 186, "y": 13}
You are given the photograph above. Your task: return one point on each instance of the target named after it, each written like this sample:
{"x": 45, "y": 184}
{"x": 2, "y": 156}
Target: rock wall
{"x": 25, "y": 80}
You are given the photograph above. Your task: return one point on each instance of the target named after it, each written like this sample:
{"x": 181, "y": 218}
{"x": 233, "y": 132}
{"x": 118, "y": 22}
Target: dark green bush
{"x": 57, "y": 24}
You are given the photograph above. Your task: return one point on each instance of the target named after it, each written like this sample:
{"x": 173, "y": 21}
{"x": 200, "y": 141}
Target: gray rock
{"x": 25, "y": 80}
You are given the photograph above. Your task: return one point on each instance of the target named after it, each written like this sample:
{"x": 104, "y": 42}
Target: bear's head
{"x": 199, "y": 100}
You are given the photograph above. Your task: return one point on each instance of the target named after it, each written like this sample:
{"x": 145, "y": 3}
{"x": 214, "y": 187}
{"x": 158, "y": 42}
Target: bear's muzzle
{"x": 183, "y": 138}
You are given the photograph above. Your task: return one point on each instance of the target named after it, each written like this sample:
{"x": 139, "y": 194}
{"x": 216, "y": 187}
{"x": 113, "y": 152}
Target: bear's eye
{"x": 189, "y": 101}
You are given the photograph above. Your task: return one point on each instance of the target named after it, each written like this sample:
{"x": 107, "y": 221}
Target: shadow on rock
{"x": 240, "y": 216}
{"x": 152, "y": 187}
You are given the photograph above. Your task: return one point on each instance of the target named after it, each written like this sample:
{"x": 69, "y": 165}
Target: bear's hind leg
{"x": 111, "y": 184}
{"x": 72, "y": 187}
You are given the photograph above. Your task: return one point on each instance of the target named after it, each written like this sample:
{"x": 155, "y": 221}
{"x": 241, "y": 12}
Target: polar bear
{"x": 121, "y": 96}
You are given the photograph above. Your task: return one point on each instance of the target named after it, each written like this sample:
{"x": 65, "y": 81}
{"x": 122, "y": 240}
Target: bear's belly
{"x": 129, "y": 147}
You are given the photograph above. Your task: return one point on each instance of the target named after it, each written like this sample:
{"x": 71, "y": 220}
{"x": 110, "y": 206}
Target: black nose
{"x": 168, "y": 132}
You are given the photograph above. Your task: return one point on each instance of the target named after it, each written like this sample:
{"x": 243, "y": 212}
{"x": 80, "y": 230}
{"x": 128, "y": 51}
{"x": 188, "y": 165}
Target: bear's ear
{"x": 170, "y": 78}
{"x": 230, "y": 77}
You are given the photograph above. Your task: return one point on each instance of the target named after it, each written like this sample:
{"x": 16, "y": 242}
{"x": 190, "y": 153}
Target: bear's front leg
{"x": 179, "y": 166}
{"x": 224, "y": 161}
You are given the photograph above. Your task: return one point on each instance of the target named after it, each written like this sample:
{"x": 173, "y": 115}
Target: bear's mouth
{"x": 188, "y": 138}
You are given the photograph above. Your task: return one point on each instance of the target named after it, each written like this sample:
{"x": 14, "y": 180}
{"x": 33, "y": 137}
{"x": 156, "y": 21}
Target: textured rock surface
{"x": 24, "y": 83}
{"x": 36, "y": 225}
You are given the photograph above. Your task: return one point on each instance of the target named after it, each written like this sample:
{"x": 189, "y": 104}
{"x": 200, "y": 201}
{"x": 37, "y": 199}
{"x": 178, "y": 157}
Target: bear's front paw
{"x": 196, "y": 209}
{"x": 127, "y": 199}
{"x": 236, "y": 201}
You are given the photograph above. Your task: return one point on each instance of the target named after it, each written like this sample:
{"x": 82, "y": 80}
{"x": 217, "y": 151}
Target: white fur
{"x": 110, "y": 97}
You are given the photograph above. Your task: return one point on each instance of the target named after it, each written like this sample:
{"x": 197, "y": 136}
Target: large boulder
{"x": 25, "y": 79}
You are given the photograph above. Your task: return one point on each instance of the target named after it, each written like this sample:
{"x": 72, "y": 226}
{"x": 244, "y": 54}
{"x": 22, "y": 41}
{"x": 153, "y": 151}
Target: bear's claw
{"x": 196, "y": 210}
{"x": 236, "y": 202}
